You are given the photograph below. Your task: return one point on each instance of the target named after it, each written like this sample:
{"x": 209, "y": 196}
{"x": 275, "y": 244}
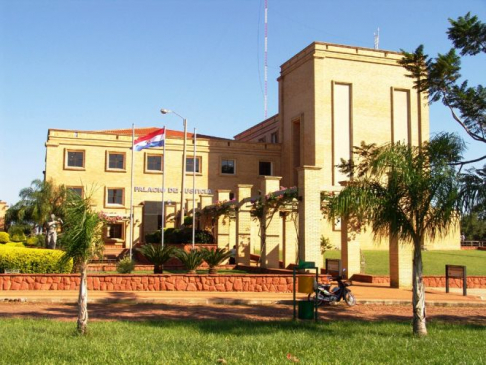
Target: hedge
{"x": 4, "y": 237}
{"x": 33, "y": 261}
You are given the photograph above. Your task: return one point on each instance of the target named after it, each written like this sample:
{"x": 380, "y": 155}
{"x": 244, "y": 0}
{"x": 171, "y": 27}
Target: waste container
{"x": 306, "y": 309}
{"x": 306, "y": 284}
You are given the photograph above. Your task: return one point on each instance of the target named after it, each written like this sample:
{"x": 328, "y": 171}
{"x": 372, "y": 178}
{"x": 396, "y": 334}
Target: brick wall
{"x": 162, "y": 282}
{"x": 429, "y": 281}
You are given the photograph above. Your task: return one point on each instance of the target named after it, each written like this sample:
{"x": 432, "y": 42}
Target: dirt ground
{"x": 184, "y": 311}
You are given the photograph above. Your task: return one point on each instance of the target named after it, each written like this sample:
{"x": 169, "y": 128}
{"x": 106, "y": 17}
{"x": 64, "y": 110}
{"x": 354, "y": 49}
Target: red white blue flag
{"x": 154, "y": 139}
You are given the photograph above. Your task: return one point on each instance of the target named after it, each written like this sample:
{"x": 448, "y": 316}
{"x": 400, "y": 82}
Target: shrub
{"x": 17, "y": 233}
{"x": 33, "y": 261}
{"x": 14, "y": 244}
{"x": 215, "y": 257}
{"x": 191, "y": 260}
{"x": 188, "y": 221}
{"x": 37, "y": 240}
{"x": 4, "y": 237}
{"x": 125, "y": 265}
{"x": 157, "y": 255}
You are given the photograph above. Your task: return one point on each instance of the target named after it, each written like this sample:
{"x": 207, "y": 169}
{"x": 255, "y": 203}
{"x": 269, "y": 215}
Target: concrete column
{"x": 243, "y": 225}
{"x": 310, "y": 215}
{"x": 206, "y": 200}
{"x": 401, "y": 263}
{"x": 290, "y": 238}
{"x": 223, "y": 228}
{"x": 272, "y": 229}
{"x": 170, "y": 213}
{"x": 350, "y": 250}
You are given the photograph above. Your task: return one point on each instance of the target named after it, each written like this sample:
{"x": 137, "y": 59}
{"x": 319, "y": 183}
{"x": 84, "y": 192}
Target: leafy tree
{"x": 440, "y": 77}
{"x": 82, "y": 241}
{"x": 37, "y": 203}
{"x": 406, "y": 192}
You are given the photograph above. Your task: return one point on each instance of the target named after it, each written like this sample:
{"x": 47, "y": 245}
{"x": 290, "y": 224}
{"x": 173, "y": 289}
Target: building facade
{"x": 331, "y": 98}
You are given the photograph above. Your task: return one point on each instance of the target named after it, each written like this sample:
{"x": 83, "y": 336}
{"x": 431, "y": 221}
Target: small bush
{"x": 17, "y": 233}
{"x": 14, "y": 244}
{"x": 125, "y": 265}
{"x": 30, "y": 261}
{"x": 4, "y": 237}
{"x": 33, "y": 241}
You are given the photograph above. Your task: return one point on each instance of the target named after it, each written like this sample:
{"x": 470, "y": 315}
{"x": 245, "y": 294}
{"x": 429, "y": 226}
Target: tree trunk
{"x": 418, "y": 300}
{"x": 83, "y": 300}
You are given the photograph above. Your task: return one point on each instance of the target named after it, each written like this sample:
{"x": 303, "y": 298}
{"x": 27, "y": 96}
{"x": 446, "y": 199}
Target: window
{"x": 75, "y": 159}
{"x": 76, "y": 189}
{"x": 274, "y": 137}
{"x": 116, "y": 161}
{"x": 154, "y": 163}
{"x": 114, "y": 196}
{"x": 190, "y": 164}
{"x": 114, "y": 231}
{"x": 262, "y": 140}
{"x": 265, "y": 168}
{"x": 228, "y": 167}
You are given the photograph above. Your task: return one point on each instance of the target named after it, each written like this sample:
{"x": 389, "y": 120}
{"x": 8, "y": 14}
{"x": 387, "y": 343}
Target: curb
{"x": 229, "y": 301}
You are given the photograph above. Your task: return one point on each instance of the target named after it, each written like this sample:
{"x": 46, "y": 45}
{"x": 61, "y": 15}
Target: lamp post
{"x": 183, "y": 185}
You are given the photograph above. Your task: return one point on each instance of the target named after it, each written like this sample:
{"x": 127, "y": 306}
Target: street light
{"x": 167, "y": 111}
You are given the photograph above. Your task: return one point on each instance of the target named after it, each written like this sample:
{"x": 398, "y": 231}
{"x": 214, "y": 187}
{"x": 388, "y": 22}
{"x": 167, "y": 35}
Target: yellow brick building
{"x": 331, "y": 97}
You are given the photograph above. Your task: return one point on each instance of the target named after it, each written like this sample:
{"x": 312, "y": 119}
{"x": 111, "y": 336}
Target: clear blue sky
{"x": 105, "y": 64}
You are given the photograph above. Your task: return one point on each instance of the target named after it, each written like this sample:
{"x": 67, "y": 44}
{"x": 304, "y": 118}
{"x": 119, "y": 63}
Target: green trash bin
{"x": 306, "y": 309}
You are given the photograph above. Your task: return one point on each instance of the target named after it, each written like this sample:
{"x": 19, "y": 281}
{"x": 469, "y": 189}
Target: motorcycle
{"x": 327, "y": 295}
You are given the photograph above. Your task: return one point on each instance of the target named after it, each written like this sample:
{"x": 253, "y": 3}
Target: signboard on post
{"x": 456, "y": 272}
{"x": 333, "y": 267}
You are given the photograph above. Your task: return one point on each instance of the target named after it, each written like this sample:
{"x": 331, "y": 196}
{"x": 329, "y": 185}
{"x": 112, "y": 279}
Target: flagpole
{"x": 163, "y": 191}
{"x": 131, "y": 196}
{"x": 194, "y": 195}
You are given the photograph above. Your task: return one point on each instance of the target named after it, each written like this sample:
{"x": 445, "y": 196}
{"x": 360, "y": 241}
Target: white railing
{"x": 473, "y": 243}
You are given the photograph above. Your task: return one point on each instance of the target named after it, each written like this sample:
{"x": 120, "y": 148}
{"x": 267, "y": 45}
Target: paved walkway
{"x": 364, "y": 293}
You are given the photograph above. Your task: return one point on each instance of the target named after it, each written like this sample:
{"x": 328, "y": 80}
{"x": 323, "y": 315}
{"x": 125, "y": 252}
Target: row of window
{"x": 115, "y": 161}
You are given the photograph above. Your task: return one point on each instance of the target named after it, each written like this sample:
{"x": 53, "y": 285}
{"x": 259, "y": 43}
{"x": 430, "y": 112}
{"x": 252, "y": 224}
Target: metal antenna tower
{"x": 377, "y": 39}
{"x": 265, "y": 102}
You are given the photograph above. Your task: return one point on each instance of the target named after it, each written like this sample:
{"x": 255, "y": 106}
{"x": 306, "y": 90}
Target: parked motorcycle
{"x": 327, "y": 295}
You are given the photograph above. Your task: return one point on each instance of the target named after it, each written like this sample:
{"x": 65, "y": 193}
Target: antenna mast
{"x": 377, "y": 39}
{"x": 265, "y": 102}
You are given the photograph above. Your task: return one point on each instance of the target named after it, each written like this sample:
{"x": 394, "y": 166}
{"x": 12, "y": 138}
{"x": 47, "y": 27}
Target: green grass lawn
{"x": 434, "y": 261}
{"x": 238, "y": 342}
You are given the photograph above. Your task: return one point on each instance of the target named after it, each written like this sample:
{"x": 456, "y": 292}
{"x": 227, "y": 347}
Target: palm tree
{"x": 191, "y": 260}
{"x": 215, "y": 257}
{"x": 38, "y": 202}
{"x": 406, "y": 192}
{"x": 157, "y": 255}
{"x": 82, "y": 241}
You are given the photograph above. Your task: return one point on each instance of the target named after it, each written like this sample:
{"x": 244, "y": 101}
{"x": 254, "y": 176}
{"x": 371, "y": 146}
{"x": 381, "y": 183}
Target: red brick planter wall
{"x": 200, "y": 282}
{"x": 429, "y": 281}
{"x": 218, "y": 283}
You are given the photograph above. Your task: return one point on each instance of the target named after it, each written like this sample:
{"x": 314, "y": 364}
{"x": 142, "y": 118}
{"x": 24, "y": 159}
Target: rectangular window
{"x": 116, "y": 161}
{"x": 401, "y": 116}
{"x": 190, "y": 164}
{"x": 262, "y": 140}
{"x": 265, "y": 168}
{"x": 342, "y": 128}
{"x": 75, "y": 159}
{"x": 228, "y": 167}
{"x": 114, "y": 196}
{"x": 76, "y": 190}
{"x": 154, "y": 163}
{"x": 274, "y": 137}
